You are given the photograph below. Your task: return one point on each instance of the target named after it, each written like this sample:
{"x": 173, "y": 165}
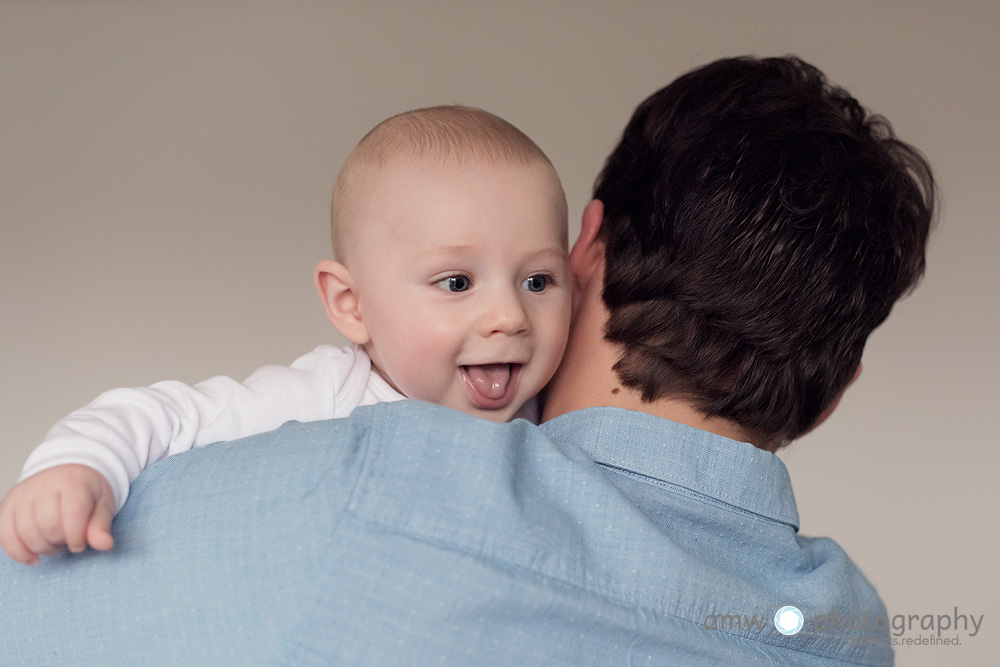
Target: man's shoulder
{"x": 408, "y": 526}
{"x": 425, "y": 459}
{"x": 540, "y": 515}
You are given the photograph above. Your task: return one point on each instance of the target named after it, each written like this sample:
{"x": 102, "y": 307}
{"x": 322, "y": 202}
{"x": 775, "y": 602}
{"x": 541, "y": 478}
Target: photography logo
{"x": 788, "y": 620}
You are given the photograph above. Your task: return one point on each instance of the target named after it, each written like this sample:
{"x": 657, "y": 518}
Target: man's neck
{"x": 586, "y": 378}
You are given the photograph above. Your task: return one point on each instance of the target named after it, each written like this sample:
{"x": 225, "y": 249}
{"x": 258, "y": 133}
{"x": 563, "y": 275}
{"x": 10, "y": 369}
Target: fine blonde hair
{"x": 454, "y": 135}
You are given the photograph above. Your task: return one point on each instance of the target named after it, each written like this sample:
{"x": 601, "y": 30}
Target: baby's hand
{"x": 68, "y": 505}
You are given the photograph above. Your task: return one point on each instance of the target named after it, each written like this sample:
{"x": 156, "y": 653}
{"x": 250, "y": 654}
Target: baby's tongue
{"x": 490, "y": 379}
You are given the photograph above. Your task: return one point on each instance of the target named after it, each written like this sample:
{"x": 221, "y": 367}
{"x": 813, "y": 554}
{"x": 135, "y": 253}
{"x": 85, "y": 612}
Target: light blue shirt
{"x": 409, "y": 534}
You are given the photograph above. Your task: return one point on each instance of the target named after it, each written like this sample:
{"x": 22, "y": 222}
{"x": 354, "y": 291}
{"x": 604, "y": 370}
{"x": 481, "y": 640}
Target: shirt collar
{"x": 732, "y": 472}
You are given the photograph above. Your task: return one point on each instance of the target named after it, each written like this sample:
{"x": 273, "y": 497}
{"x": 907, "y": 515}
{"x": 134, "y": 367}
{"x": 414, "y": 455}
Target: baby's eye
{"x": 457, "y": 283}
{"x": 536, "y": 283}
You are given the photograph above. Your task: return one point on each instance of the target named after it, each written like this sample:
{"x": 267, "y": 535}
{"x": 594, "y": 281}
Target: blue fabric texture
{"x": 409, "y": 534}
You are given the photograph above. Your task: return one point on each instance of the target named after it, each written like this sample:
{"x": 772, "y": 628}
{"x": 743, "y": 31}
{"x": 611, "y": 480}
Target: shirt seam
{"x": 693, "y": 495}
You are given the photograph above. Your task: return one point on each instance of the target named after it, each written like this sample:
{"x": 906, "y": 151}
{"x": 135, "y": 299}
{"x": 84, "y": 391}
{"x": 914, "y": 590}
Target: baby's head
{"x": 450, "y": 243}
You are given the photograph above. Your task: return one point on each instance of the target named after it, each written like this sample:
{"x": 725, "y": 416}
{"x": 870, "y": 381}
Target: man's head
{"x": 758, "y": 225}
{"x": 449, "y": 227}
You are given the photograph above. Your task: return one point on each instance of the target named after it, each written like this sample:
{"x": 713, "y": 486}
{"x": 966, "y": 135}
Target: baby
{"x": 450, "y": 280}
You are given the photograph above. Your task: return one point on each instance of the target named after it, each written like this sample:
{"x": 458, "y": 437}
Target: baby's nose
{"x": 506, "y": 316}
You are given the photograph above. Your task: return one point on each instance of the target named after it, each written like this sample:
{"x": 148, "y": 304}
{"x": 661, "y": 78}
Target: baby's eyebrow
{"x": 445, "y": 250}
{"x": 556, "y": 253}
{"x": 441, "y": 253}
{"x": 460, "y": 250}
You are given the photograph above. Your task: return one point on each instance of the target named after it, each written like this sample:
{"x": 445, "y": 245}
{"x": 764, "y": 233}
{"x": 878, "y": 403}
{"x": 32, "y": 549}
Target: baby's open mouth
{"x": 491, "y": 386}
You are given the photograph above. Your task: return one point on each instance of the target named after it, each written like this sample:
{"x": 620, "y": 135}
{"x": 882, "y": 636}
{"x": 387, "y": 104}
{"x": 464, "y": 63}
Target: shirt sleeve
{"x": 123, "y": 431}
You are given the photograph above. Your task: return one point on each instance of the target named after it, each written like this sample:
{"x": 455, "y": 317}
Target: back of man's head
{"x": 759, "y": 225}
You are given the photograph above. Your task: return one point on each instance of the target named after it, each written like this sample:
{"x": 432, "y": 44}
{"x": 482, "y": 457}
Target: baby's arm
{"x": 124, "y": 430}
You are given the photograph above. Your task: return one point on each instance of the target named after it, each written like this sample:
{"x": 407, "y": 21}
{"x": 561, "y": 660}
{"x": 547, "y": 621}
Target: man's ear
{"x": 336, "y": 290}
{"x": 586, "y": 259}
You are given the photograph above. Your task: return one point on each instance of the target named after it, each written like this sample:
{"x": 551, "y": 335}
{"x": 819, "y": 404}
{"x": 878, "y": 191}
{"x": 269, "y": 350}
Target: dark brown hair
{"x": 759, "y": 225}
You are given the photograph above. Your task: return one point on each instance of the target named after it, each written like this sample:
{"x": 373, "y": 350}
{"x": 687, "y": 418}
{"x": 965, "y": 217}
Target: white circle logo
{"x": 788, "y": 620}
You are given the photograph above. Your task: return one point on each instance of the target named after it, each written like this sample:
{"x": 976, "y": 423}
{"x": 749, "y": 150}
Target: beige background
{"x": 165, "y": 169}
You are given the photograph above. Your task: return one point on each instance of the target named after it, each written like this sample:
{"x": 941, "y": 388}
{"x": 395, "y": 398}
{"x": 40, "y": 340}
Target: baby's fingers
{"x": 42, "y": 531}
{"x": 86, "y": 508}
{"x": 47, "y": 512}
{"x": 99, "y": 528}
{"x": 11, "y": 540}
{"x": 67, "y": 505}
{"x": 76, "y": 512}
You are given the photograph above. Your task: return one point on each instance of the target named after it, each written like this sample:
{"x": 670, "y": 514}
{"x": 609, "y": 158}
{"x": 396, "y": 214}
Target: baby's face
{"x": 462, "y": 280}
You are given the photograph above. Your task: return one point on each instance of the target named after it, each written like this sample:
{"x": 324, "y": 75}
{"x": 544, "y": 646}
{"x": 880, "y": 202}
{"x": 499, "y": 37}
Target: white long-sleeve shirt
{"x": 123, "y": 431}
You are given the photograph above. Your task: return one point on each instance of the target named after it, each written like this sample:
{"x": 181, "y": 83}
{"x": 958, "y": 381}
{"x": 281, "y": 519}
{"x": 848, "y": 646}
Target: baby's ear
{"x": 336, "y": 289}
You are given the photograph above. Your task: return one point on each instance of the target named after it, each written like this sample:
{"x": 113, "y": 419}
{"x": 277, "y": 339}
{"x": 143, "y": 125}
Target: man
{"x": 750, "y": 230}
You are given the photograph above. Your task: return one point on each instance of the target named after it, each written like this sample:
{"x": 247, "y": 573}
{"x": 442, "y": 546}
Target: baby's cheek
{"x": 419, "y": 377}
{"x": 556, "y": 334}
